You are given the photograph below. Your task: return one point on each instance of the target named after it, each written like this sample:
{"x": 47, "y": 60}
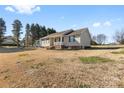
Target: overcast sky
{"x": 99, "y": 19}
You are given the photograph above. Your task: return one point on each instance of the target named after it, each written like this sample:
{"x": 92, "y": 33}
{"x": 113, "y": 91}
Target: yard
{"x": 96, "y": 67}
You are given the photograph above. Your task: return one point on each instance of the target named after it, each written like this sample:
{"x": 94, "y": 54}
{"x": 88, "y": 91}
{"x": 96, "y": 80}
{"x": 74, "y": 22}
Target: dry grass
{"x": 118, "y": 52}
{"x": 23, "y": 55}
{"x": 62, "y": 68}
{"x": 84, "y": 86}
{"x": 37, "y": 66}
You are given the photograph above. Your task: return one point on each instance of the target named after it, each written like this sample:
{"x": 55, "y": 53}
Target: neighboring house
{"x": 9, "y": 41}
{"x": 71, "y": 39}
{"x": 37, "y": 43}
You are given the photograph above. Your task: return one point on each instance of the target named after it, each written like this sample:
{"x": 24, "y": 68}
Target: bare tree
{"x": 93, "y": 40}
{"x": 101, "y": 38}
{"x": 119, "y": 36}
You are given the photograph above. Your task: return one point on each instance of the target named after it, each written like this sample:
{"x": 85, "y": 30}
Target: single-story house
{"x": 71, "y": 39}
{"x": 8, "y": 41}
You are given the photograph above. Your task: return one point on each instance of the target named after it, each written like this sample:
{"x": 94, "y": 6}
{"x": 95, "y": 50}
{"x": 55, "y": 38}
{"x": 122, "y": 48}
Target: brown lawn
{"x": 61, "y": 68}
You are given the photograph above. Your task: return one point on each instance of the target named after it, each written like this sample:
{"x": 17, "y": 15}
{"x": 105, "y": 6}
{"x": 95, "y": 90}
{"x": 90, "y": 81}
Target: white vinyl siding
{"x": 85, "y": 39}
{"x": 45, "y": 42}
{"x": 74, "y": 41}
{"x": 79, "y": 39}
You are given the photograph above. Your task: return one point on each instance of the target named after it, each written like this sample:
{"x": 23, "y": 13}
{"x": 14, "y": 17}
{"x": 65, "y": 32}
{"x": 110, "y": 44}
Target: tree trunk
{"x": 18, "y": 42}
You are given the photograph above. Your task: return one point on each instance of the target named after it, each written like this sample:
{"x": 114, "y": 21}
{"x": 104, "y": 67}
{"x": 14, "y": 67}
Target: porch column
{"x": 51, "y": 41}
{"x": 61, "y": 39}
{"x": 61, "y": 42}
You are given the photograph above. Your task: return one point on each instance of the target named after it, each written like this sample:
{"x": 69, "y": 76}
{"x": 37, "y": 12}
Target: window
{"x": 59, "y": 39}
{"x": 62, "y": 39}
{"x": 71, "y": 38}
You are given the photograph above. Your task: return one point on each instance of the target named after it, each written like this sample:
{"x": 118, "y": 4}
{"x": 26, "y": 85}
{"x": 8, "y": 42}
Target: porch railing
{"x": 58, "y": 43}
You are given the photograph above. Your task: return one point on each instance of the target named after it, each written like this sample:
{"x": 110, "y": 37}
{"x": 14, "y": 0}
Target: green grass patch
{"x": 94, "y": 59}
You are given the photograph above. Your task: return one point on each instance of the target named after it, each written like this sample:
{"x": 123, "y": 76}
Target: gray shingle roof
{"x": 78, "y": 32}
{"x": 8, "y": 40}
{"x": 67, "y": 32}
{"x": 57, "y": 34}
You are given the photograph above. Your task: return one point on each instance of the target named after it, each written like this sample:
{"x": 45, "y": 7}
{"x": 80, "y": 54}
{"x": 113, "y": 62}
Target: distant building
{"x": 8, "y": 41}
{"x": 71, "y": 39}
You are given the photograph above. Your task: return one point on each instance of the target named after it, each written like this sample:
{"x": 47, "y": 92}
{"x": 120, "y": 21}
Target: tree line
{"x": 35, "y": 31}
{"x": 32, "y": 32}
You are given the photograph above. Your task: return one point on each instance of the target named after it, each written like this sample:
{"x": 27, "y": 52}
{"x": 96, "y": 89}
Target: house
{"x": 37, "y": 43}
{"x": 71, "y": 39}
{"x": 8, "y": 41}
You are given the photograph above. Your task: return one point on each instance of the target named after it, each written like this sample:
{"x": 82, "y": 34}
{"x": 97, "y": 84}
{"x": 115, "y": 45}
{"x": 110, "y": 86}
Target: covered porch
{"x": 57, "y": 42}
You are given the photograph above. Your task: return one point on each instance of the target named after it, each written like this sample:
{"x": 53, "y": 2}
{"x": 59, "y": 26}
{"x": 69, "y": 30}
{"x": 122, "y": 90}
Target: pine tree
{"x": 17, "y": 25}
{"x": 2, "y": 29}
{"x": 27, "y": 37}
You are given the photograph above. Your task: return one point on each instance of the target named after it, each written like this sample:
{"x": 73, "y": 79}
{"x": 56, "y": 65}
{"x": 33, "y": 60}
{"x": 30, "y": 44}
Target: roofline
{"x": 86, "y": 28}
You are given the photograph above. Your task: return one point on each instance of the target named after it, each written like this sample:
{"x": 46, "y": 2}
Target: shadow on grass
{"x": 92, "y": 48}
{"x": 12, "y": 50}
{"x": 103, "y": 48}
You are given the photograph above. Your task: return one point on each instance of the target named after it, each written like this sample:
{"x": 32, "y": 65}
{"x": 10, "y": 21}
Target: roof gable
{"x": 57, "y": 34}
{"x": 67, "y": 32}
{"x": 79, "y": 31}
